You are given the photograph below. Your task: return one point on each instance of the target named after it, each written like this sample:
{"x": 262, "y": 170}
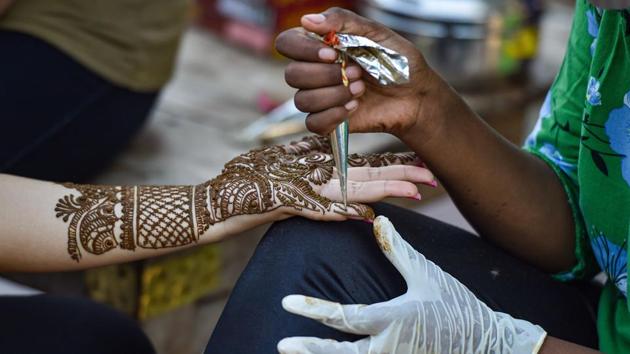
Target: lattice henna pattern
{"x": 102, "y": 218}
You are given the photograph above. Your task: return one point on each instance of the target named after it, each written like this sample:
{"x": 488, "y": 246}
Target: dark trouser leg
{"x": 58, "y": 325}
{"x": 59, "y": 120}
{"x": 341, "y": 262}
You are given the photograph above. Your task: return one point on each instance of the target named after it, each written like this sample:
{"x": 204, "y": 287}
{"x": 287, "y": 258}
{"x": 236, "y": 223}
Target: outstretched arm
{"x": 49, "y": 227}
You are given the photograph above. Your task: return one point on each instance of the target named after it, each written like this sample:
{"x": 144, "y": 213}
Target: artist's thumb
{"x": 341, "y": 21}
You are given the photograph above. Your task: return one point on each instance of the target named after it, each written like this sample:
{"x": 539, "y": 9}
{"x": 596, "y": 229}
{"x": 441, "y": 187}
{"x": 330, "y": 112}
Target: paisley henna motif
{"x": 102, "y": 218}
{"x": 92, "y": 218}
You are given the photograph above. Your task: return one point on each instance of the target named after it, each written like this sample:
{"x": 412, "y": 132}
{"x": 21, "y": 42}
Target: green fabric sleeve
{"x": 556, "y": 137}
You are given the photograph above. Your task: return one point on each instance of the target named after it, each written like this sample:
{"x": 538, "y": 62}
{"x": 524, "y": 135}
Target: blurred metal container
{"x": 471, "y": 43}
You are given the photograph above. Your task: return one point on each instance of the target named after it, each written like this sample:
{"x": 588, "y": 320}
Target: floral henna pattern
{"x": 102, "y": 218}
{"x": 271, "y": 177}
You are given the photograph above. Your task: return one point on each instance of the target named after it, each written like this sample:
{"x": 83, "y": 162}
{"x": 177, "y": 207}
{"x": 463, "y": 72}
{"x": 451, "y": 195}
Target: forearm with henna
{"x": 508, "y": 195}
{"x": 102, "y": 218}
{"x": 97, "y": 224}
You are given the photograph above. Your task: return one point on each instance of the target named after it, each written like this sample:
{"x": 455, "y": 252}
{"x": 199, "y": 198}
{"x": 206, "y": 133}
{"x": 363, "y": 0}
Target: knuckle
{"x": 408, "y": 172}
{"x": 335, "y": 10}
{"x": 386, "y": 187}
{"x": 356, "y": 187}
{"x": 374, "y": 172}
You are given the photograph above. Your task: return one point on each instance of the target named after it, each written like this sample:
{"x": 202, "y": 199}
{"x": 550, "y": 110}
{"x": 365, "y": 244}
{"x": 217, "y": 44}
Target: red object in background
{"x": 207, "y": 15}
{"x": 255, "y": 23}
{"x": 265, "y": 103}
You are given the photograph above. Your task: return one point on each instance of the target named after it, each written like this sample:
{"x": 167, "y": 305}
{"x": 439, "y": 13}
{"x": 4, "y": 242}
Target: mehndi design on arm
{"x": 105, "y": 217}
{"x": 102, "y": 218}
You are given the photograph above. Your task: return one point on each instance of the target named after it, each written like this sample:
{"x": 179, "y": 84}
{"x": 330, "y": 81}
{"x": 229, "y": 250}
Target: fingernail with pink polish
{"x": 368, "y": 221}
{"x": 416, "y": 197}
{"x": 431, "y": 184}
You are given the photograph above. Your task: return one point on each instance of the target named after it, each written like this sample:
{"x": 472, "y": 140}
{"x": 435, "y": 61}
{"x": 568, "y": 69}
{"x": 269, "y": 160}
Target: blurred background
{"x": 227, "y": 95}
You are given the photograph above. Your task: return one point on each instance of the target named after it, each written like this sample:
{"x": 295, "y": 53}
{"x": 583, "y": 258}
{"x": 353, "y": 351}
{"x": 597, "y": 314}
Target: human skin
{"x": 55, "y": 227}
{"x": 512, "y": 198}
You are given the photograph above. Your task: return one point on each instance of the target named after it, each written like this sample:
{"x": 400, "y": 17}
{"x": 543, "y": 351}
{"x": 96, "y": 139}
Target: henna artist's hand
{"x": 277, "y": 182}
{"x": 370, "y": 106}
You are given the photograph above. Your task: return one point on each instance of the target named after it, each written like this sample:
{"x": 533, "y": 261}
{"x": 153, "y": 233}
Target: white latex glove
{"x": 437, "y": 314}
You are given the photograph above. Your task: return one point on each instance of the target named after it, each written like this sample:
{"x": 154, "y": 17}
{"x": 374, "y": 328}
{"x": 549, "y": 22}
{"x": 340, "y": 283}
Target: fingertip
{"x": 324, "y": 122}
{"x": 418, "y": 196}
{"x": 290, "y": 302}
{"x": 431, "y": 183}
{"x": 284, "y": 346}
{"x": 401, "y": 189}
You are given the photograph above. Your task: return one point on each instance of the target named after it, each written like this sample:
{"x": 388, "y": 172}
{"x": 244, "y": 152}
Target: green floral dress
{"x": 583, "y": 133}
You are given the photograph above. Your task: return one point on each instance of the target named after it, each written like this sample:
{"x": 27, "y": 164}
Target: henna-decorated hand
{"x": 261, "y": 186}
{"x": 298, "y": 179}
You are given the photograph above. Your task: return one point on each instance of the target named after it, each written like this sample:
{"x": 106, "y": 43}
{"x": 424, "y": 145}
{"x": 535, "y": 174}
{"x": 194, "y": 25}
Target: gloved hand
{"x": 437, "y": 314}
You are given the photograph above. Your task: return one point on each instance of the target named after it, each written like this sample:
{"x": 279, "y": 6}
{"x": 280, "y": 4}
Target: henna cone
{"x": 339, "y": 142}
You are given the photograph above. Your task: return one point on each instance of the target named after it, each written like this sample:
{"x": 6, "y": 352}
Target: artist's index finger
{"x": 296, "y": 44}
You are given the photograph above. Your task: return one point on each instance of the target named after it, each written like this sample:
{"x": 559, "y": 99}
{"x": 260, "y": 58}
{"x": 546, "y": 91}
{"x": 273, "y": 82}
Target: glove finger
{"x": 410, "y": 263}
{"x": 347, "y": 318}
{"x": 312, "y": 345}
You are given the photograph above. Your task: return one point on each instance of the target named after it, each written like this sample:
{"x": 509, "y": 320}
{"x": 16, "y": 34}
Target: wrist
{"x": 429, "y": 117}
